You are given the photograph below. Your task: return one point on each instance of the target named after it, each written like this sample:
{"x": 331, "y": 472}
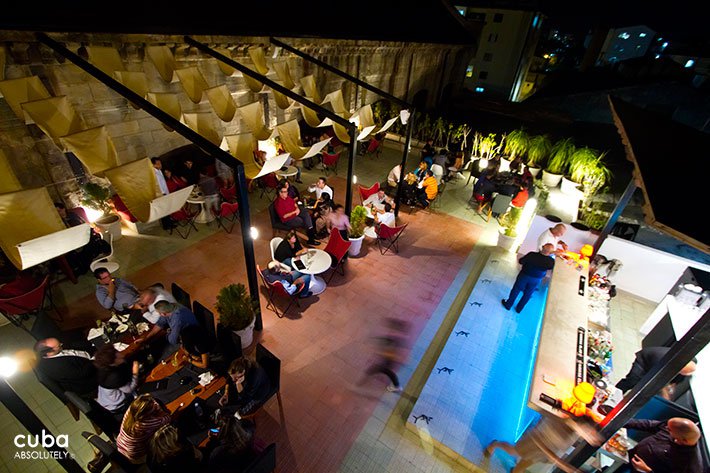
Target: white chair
{"x": 275, "y": 242}
{"x": 438, "y": 172}
{"x": 108, "y": 261}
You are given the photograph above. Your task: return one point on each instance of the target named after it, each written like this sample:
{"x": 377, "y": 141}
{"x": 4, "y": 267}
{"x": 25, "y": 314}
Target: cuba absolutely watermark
{"x": 29, "y": 446}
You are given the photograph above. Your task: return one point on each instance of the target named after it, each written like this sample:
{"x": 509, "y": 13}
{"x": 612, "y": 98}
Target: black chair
{"x": 54, "y": 388}
{"x": 229, "y": 343}
{"x": 100, "y": 418}
{"x": 205, "y": 318}
{"x": 276, "y": 223}
{"x": 265, "y": 462}
{"x": 119, "y": 463}
{"x": 181, "y": 295}
{"x": 272, "y": 366}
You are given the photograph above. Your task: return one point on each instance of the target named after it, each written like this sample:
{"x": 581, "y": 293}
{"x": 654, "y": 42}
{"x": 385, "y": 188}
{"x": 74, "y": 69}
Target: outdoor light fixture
{"x": 404, "y": 116}
{"x": 92, "y": 214}
{"x": 582, "y": 394}
{"x": 254, "y": 233}
{"x": 8, "y": 366}
{"x": 482, "y": 163}
{"x": 354, "y": 179}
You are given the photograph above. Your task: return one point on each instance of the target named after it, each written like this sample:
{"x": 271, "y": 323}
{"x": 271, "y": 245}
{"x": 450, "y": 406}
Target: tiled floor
{"x": 328, "y": 423}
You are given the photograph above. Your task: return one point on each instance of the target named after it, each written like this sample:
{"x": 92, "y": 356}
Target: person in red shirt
{"x": 294, "y": 216}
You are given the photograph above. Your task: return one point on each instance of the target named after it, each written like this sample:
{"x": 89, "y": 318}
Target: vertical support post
{"x": 248, "y": 242}
{"x": 351, "y": 165}
{"x": 357, "y": 88}
{"x": 620, "y": 206}
{"x": 403, "y": 164}
{"x": 35, "y": 426}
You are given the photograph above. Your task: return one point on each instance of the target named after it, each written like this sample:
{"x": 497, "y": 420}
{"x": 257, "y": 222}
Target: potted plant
{"x": 583, "y": 160}
{"x": 516, "y": 144}
{"x": 559, "y": 160}
{"x": 508, "y": 233}
{"x": 538, "y": 150}
{"x": 358, "y": 217}
{"x": 237, "y": 311}
{"x": 98, "y": 197}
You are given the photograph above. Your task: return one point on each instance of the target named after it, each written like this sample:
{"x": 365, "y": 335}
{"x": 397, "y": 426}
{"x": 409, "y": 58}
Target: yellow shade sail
{"x": 55, "y": 116}
{"x": 335, "y": 99}
{"x": 202, "y": 123}
{"x": 310, "y": 90}
{"x": 167, "y": 102}
{"x": 226, "y": 69}
{"x": 163, "y": 59}
{"x": 136, "y": 81}
{"x": 256, "y": 53}
{"x": 255, "y": 85}
{"x": 284, "y": 74}
{"x": 253, "y": 116}
{"x": 192, "y": 82}
{"x": 24, "y": 216}
{"x": 242, "y": 147}
{"x": 136, "y": 184}
{"x": 311, "y": 117}
{"x": 342, "y": 133}
{"x": 24, "y": 89}
{"x": 105, "y": 58}
{"x": 290, "y": 136}
{"x": 281, "y": 100}
{"x": 222, "y": 102}
{"x": 8, "y": 179}
{"x": 365, "y": 116}
{"x": 94, "y": 148}
{"x": 3, "y": 59}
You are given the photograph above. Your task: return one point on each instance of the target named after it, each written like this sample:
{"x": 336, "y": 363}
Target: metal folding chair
{"x": 388, "y": 237}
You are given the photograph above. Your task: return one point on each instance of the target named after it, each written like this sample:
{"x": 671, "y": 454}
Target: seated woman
{"x": 247, "y": 386}
{"x": 117, "y": 380}
{"x": 289, "y": 248}
{"x": 169, "y": 452}
{"x": 232, "y": 447}
{"x": 199, "y": 351}
{"x": 173, "y": 181}
{"x": 145, "y": 416}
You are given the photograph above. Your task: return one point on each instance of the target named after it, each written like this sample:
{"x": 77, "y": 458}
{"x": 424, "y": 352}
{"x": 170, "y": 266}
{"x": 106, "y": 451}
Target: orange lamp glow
{"x": 586, "y": 251}
{"x": 582, "y": 394}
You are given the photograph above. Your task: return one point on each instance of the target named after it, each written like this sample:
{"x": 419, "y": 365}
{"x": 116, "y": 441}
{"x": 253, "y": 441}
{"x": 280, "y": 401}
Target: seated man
{"x": 173, "y": 318}
{"x": 115, "y": 293}
{"x": 69, "y": 370}
{"x": 428, "y": 189}
{"x": 321, "y": 187}
{"x": 148, "y": 298}
{"x": 385, "y": 216}
{"x": 291, "y": 280}
{"x": 378, "y": 199}
{"x": 294, "y": 216}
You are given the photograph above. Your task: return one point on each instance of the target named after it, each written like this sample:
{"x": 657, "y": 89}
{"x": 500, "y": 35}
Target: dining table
{"x": 315, "y": 262}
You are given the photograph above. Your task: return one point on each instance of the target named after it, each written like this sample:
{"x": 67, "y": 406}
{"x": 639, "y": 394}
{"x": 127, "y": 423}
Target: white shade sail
{"x": 242, "y": 147}
{"x": 136, "y": 185}
{"x": 44, "y": 248}
{"x": 168, "y": 204}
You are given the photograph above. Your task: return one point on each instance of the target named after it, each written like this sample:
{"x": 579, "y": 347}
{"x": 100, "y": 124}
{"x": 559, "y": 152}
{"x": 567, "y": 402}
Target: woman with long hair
{"x": 169, "y": 452}
{"x": 117, "y": 380}
{"x": 247, "y": 386}
{"x": 143, "y": 418}
{"x": 232, "y": 447}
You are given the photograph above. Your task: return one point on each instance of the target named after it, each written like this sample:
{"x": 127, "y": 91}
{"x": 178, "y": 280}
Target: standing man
{"x": 158, "y": 170}
{"x": 552, "y": 235}
{"x": 672, "y": 446}
{"x": 115, "y": 293}
{"x": 646, "y": 359}
{"x": 535, "y": 267}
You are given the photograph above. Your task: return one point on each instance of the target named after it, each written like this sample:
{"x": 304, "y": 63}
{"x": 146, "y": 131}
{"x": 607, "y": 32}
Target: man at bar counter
{"x": 535, "y": 267}
{"x": 552, "y": 235}
{"x": 646, "y": 359}
{"x": 672, "y": 446}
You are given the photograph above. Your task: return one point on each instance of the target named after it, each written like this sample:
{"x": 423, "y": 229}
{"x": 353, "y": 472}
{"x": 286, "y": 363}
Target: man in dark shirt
{"x": 672, "y": 447}
{"x": 65, "y": 369}
{"x": 535, "y": 266}
{"x": 646, "y": 360}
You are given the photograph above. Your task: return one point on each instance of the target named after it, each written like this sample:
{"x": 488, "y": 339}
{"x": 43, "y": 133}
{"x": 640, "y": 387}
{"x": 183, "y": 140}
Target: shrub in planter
{"x": 235, "y": 307}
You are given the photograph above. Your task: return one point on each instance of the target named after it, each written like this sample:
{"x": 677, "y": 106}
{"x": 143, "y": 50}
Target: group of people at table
{"x": 672, "y": 445}
{"x": 148, "y": 429}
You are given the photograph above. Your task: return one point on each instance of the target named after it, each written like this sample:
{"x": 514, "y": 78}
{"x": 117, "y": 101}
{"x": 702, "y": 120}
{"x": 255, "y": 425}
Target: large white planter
{"x": 247, "y": 334}
{"x": 110, "y": 223}
{"x": 568, "y": 186}
{"x": 504, "y": 241}
{"x": 355, "y": 245}
{"x": 534, "y": 171}
{"x": 551, "y": 180}
{"x": 504, "y": 165}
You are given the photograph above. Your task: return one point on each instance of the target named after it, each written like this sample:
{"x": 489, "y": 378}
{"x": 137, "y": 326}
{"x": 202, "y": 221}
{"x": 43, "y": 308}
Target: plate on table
{"x": 121, "y": 328}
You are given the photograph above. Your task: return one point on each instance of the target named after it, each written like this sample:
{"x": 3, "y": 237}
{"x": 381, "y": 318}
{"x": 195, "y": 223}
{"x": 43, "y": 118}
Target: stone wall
{"x": 400, "y": 69}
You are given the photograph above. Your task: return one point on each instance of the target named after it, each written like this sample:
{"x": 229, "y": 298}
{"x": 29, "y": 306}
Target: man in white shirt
{"x": 385, "y": 216}
{"x": 394, "y": 176}
{"x": 149, "y": 297}
{"x": 378, "y": 199}
{"x": 158, "y": 170}
{"x": 321, "y": 187}
{"x": 552, "y": 235}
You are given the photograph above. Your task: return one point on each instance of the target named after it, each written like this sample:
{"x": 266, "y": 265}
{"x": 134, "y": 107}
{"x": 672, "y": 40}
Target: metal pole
{"x": 351, "y": 165}
{"x": 206, "y": 145}
{"x": 403, "y": 164}
{"x": 35, "y": 426}
{"x": 620, "y": 206}
{"x": 679, "y": 355}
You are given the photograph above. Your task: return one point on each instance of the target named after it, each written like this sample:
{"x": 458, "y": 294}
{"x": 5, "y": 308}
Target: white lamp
{"x": 254, "y": 233}
{"x": 8, "y": 366}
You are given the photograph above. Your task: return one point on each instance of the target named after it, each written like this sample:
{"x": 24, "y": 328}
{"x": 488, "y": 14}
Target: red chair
{"x": 337, "y": 248}
{"x": 277, "y": 289}
{"x": 227, "y": 211}
{"x": 19, "y": 307}
{"x": 330, "y": 161}
{"x": 229, "y": 194}
{"x": 182, "y": 219}
{"x": 388, "y": 237}
{"x": 484, "y": 209}
{"x": 367, "y": 192}
{"x": 268, "y": 183}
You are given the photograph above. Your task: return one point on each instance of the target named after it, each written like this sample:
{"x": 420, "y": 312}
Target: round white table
{"x": 316, "y": 261}
{"x": 288, "y": 172}
{"x": 206, "y": 203}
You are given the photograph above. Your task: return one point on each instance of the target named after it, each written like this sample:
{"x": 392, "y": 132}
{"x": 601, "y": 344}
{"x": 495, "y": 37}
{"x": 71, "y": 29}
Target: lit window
{"x": 664, "y": 45}
{"x": 469, "y": 71}
{"x": 624, "y": 35}
{"x": 462, "y": 11}
{"x": 689, "y": 63}
{"x": 642, "y": 35}
{"x": 480, "y": 89}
